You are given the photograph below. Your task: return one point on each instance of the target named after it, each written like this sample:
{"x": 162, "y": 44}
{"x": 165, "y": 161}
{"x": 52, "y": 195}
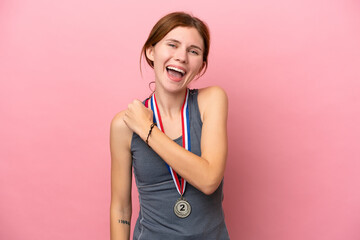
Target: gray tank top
{"x": 157, "y": 194}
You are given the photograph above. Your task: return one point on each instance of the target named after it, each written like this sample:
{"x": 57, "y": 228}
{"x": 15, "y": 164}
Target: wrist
{"x": 149, "y": 133}
{"x": 145, "y": 132}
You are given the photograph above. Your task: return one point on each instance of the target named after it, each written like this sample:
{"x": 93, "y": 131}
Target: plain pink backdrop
{"x": 291, "y": 70}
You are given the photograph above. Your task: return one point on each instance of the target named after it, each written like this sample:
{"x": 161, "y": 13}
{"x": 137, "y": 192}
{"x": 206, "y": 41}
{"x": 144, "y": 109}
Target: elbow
{"x": 210, "y": 188}
{"x": 208, "y": 191}
{"x": 118, "y": 209}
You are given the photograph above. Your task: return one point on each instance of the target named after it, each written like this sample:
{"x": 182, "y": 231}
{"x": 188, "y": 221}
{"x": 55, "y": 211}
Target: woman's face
{"x": 177, "y": 58}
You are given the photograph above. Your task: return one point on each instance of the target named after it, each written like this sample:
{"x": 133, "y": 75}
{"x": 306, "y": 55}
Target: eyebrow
{"x": 177, "y": 41}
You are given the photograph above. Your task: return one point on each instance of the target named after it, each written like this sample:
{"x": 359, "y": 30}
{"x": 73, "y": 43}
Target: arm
{"x": 204, "y": 172}
{"x": 121, "y": 177}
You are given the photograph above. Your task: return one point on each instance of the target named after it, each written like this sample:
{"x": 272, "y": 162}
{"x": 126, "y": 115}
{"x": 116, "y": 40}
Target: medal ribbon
{"x": 185, "y": 121}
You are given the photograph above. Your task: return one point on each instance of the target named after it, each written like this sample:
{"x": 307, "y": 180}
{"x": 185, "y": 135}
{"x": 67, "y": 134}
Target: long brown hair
{"x": 168, "y": 23}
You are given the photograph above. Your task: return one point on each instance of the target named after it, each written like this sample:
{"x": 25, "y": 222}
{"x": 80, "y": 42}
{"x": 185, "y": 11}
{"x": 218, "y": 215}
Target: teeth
{"x": 177, "y": 69}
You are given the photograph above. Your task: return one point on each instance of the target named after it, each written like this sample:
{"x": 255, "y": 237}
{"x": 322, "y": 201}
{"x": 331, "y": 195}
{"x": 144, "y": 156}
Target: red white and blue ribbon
{"x": 185, "y": 121}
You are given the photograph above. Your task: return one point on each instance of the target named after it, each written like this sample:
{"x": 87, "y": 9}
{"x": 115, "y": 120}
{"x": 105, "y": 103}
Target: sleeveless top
{"x": 157, "y": 194}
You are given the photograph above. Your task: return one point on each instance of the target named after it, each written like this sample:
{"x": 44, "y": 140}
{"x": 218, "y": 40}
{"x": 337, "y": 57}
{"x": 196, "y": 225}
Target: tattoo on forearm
{"x": 124, "y": 222}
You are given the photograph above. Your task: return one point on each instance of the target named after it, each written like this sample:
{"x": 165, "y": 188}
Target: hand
{"x": 138, "y": 118}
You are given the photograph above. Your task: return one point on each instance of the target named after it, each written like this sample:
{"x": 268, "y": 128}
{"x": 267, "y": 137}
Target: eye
{"x": 194, "y": 52}
{"x": 172, "y": 45}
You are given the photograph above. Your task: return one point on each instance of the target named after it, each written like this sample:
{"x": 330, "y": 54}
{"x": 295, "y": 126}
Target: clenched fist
{"x": 138, "y": 118}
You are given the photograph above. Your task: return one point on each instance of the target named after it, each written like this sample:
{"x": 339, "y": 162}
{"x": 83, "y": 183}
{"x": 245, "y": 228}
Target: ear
{"x": 150, "y": 53}
{"x": 202, "y": 67}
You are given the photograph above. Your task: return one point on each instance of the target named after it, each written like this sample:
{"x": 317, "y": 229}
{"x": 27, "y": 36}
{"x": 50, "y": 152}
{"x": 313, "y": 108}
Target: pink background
{"x": 291, "y": 70}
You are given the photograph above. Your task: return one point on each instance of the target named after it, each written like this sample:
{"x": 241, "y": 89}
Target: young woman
{"x": 176, "y": 140}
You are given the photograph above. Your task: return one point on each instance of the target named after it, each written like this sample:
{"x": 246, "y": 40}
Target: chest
{"x": 172, "y": 127}
{"x": 149, "y": 168}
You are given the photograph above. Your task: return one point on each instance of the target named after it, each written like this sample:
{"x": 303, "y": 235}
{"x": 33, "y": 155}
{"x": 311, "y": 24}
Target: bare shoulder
{"x": 117, "y": 123}
{"x": 212, "y": 97}
{"x": 212, "y": 93}
{"x": 119, "y": 131}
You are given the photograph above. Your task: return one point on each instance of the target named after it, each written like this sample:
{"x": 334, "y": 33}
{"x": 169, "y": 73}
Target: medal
{"x": 182, "y": 208}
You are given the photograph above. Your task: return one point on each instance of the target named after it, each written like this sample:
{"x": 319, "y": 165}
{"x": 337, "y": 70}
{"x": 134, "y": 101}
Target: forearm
{"x": 197, "y": 170}
{"x": 120, "y": 224}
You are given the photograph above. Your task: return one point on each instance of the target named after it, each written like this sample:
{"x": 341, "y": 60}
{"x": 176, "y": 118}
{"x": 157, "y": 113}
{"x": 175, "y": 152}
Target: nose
{"x": 181, "y": 55}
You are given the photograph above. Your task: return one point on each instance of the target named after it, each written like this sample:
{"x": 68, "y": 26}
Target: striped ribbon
{"x": 185, "y": 121}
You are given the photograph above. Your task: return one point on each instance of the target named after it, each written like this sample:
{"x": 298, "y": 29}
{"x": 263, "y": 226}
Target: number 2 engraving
{"x": 182, "y": 207}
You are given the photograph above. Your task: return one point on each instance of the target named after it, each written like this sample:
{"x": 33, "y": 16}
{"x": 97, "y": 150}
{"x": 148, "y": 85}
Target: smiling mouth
{"x": 175, "y": 73}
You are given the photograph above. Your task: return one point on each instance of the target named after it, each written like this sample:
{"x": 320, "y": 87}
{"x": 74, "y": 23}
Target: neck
{"x": 170, "y": 104}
